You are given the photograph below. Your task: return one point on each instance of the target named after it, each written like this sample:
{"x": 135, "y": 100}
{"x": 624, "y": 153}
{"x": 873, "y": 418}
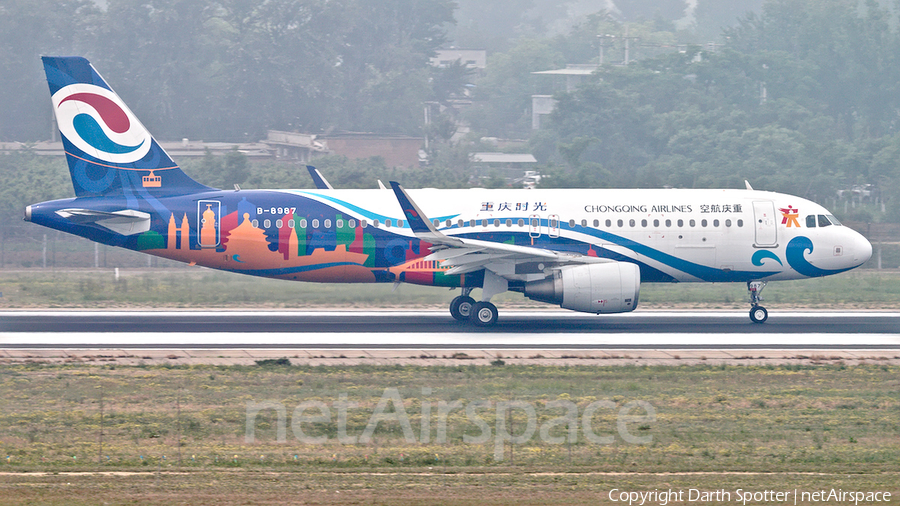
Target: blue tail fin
{"x": 108, "y": 150}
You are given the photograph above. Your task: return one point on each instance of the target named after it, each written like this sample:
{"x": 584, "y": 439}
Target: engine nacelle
{"x": 612, "y": 287}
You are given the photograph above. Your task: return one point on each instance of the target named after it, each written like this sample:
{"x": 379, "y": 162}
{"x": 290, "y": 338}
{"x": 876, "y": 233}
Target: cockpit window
{"x": 811, "y": 221}
{"x": 823, "y": 221}
{"x": 833, "y": 220}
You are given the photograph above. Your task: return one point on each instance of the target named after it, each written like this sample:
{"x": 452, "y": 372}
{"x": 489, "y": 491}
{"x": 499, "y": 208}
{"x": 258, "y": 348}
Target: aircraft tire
{"x": 484, "y": 314}
{"x": 758, "y": 314}
{"x": 461, "y": 307}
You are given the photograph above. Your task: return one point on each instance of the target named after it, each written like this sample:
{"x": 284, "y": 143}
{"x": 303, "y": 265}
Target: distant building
{"x": 575, "y": 75}
{"x": 295, "y": 146}
{"x": 515, "y": 167}
{"x": 396, "y": 150}
{"x": 176, "y": 149}
{"x": 472, "y": 58}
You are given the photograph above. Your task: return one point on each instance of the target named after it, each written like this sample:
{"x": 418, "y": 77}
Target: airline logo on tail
{"x": 97, "y": 122}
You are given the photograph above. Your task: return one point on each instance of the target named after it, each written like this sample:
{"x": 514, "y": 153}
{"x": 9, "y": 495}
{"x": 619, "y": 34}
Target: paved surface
{"x": 433, "y": 338}
{"x": 433, "y": 322}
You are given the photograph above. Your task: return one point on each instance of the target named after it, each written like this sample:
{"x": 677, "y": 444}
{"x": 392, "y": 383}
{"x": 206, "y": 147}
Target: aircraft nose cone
{"x": 861, "y": 249}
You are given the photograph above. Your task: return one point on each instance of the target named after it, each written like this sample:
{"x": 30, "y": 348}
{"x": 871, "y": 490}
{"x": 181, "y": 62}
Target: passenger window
{"x": 680, "y": 223}
{"x": 339, "y": 223}
{"x": 400, "y": 223}
{"x": 655, "y": 223}
{"x": 483, "y": 223}
{"x": 460, "y": 223}
{"x": 740, "y": 223}
{"x": 609, "y": 223}
{"x": 387, "y": 223}
{"x": 267, "y": 223}
{"x": 596, "y": 223}
{"x": 571, "y": 223}
{"x": 715, "y": 223}
{"x": 362, "y": 223}
{"x": 620, "y": 223}
{"x": 351, "y": 223}
{"x": 328, "y": 224}
{"x": 643, "y": 223}
{"x": 583, "y": 223}
{"x": 668, "y": 223}
{"x": 448, "y": 223}
{"x": 291, "y": 223}
{"x": 727, "y": 223}
{"x": 303, "y": 223}
{"x": 521, "y": 222}
{"x": 703, "y": 223}
{"x": 823, "y": 221}
{"x": 692, "y": 223}
{"x": 471, "y": 223}
{"x": 279, "y": 223}
{"x": 315, "y": 223}
{"x": 631, "y": 223}
{"x": 496, "y": 223}
{"x": 375, "y": 223}
{"x": 508, "y": 223}
{"x": 811, "y": 221}
{"x": 255, "y": 223}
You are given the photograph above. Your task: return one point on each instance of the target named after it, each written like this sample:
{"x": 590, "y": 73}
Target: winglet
{"x": 747, "y": 184}
{"x": 318, "y": 179}
{"x": 418, "y": 222}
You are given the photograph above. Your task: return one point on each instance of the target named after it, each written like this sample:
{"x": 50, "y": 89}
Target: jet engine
{"x": 611, "y": 287}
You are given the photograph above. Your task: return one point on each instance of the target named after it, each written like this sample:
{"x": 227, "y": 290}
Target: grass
{"x": 203, "y": 288}
{"x": 182, "y": 431}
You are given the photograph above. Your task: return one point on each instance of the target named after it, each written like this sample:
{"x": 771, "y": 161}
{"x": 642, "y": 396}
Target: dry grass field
{"x": 82, "y": 434}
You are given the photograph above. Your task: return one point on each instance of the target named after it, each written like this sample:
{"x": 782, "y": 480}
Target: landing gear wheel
{"x": 758, "y": 314}
{"x": 484, "y": 314}
{"x": 461, "y": 307}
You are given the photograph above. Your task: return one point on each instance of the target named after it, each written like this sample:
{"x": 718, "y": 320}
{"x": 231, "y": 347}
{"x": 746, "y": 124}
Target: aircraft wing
{"x": 470, "y": 255}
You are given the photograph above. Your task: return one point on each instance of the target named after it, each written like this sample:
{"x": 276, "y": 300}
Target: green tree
{"x": 29, "y": 29}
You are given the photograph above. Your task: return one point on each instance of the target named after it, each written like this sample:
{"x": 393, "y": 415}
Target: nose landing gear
{"x": 758, "y": 314}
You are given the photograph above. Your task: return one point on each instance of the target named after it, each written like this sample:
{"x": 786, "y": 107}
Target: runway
{"x": 437, "y": 330}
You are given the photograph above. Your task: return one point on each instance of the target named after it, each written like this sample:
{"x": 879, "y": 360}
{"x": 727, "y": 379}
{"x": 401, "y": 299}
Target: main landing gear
{"x": 758, "y": 314}
{"x": 464, "y": 308}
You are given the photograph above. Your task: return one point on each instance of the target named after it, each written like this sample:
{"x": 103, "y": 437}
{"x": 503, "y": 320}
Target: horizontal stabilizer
{"x": 124, "y": 222}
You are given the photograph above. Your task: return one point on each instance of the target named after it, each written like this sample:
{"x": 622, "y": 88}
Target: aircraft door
{"x": 764, "y": 218}
{"x": 553, "y": 225}
{"x": 208, "y": 216}
{"x": 534, "y": 226}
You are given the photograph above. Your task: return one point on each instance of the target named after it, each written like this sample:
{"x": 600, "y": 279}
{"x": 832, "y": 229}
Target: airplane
{"x": 585, "y": 250}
